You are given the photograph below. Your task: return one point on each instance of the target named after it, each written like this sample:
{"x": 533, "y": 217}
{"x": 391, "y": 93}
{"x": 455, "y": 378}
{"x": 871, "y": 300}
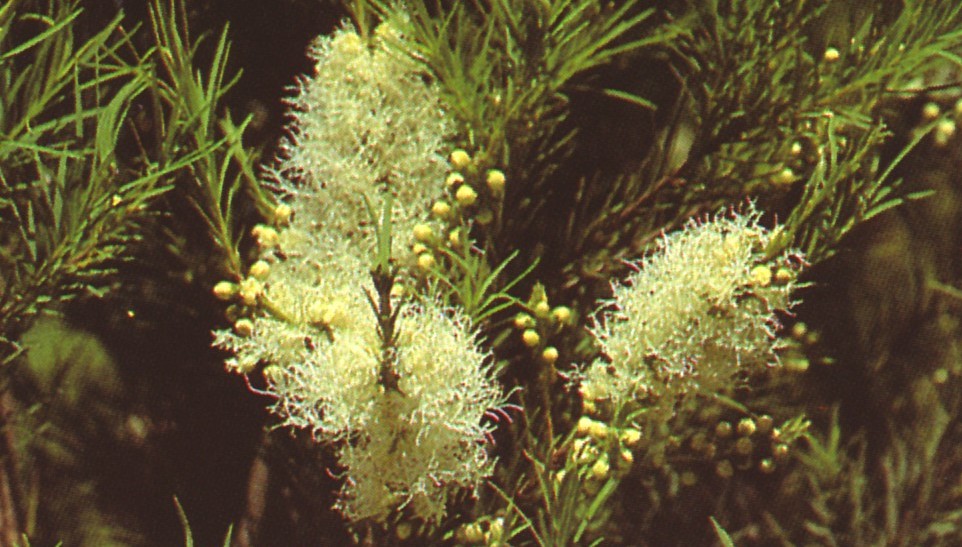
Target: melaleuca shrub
{"x": 365, "y": 125}
{"x": 698, "y": 315}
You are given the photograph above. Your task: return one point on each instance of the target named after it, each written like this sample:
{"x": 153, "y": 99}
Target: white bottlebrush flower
{"x": 426, "y": 440}
{"x": 399, "y": 448}
{"x": 694, "y": 317}
{"x": 409, "y": 448}
{"x": 365, "y": 123}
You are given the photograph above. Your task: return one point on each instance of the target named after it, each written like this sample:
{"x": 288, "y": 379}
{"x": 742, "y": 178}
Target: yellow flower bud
{"x": 282, "y": 214}
{"x": 453, "y": 179}
{"x": 583, "y": 451}
{"x": 260, "y": 270}
{"x": 561, "y": 314}
{"x": 630, "y": 437}
{"x": 559, "y": 476}
{"x": 441, "y": 209}
{"x": 531, "y": 338}
{"x": 423, "y": 233}
{"x": 940, "y": 376}
{"x": 944, "y": 132}
{"x": 250, "y": 289}
{"x": 931, "y": 111}
{"x": 784, "y": 177}
{"x": 549, "y": 355}
{"x": 598, "y": 430}
{"x": 265, "y": 235}
{"x": 600, "y": 470}
{"x": 495, "y": 532}
{"x": 473, "y": 533}
{"x": 583, "y": 426}
{"x": 245, "y": 366}
{"x": 761, "y": 276}
{"x": 831, "y": 55}
{"x": 455, "y": 237}
{"x": 723, "y": 430}
{"x": 466, "y": 195}
{"x": 589, "y": 407}
{"x": 495, "y": 181}
{"x": 397, "y": 290}
{"x": 225, "y": 290}
{"x": 523, "y": 321}
{"x": 233, "y": 313}
{"x": 460, "y": 159}
{"x": 426, "y": 261}
{"x": 542, "y": 309}
{"x": 783, "y": 276}
{"x": 244, "y": 327}
{"x": 419, "y": 248}
{"x": 323, "y": 314}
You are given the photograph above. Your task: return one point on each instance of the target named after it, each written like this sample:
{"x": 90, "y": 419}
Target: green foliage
{"x": 188, "y": 536}
{"x": 771, "y": 107}
{"x": 723, "y": 537}
{"x": 505, "y": 65}
{"x": 68, "y": 205}
{"x": 81, "y": 177}
{"x": 72, "y": 204}
{"x": 507, "y": 69}
{"x": 477, "y": 287}
{"x": 187, "y": 105}
{"x": 644, "y": 419}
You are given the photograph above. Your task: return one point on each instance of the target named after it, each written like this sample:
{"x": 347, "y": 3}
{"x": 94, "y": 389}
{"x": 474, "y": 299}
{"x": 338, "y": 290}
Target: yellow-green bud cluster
{"x": 539, "y": 323}
{"x": 472, "y": 198}
{"x": 749, "y": 444}
{"x": 484, "y": 531}
{"x": 476, "y": 194}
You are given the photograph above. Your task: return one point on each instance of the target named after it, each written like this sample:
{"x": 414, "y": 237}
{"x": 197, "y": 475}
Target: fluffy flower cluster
{"x": 697, "y": 315}
{"x": 365, "y": 125}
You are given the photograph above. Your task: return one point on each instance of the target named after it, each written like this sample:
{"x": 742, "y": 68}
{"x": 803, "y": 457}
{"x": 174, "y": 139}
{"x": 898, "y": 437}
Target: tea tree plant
{"x": 526, "y": 272}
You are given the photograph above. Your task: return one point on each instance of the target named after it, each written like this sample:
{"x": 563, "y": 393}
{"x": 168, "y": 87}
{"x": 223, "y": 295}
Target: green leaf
{"x": 188, "y": 536}
{"x": 40, "y": 38}
{"x": 723, "y": 536}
